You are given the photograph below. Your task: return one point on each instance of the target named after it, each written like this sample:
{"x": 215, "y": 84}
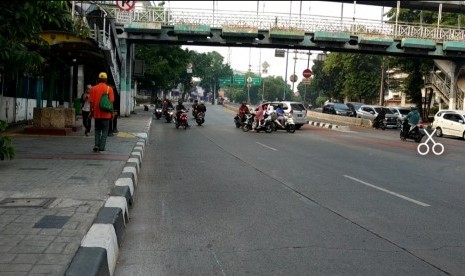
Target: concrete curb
{"x": 99, "y": 249}
{"x": 328, "y": 125}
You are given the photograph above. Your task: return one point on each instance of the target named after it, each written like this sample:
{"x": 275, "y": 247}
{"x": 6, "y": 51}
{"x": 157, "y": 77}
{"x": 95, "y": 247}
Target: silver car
{"x": 371, "y": 111}
{"x": 401, "y": 112}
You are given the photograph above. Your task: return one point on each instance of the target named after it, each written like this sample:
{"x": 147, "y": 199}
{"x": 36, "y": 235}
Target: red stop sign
{"x": 307, "y": 73}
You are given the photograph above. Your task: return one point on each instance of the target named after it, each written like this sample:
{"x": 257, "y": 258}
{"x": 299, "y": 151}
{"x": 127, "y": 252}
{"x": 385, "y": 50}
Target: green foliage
{"x": 164, "y": 66}
{"x": 427, "y": 17}
{"x": 7, "y": 151}
{"x": 274, "y": 87}
{"x": 352, "y": 76}
{"x": 21, "y": 22}
{"x": 320, "y": 101}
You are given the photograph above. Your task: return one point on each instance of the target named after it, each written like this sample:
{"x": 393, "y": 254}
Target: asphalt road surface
{"x": 214, "y": 200}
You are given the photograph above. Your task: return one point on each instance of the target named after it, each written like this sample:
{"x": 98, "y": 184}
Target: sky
{"x": 241, "y": 57}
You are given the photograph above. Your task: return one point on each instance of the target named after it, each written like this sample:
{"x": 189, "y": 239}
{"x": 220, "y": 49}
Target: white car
{"x": 449, "y": 122}
{"x": 297, "y": 109}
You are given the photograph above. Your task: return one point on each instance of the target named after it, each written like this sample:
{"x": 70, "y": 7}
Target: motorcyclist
{"x": 201, "y": 107}
{"x": 158, "y": 104}
{"x": 243, "y": 109}
{"x": 413, "y": 117}
{"x": 380, "y": 117}
{"x": 280, "y": 113}
{"x": 179, "y": 109}
{"x": 194, "y": 108}
{"x": 167, "y": 104}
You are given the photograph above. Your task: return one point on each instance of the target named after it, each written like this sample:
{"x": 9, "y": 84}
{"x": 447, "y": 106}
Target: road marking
{"x": 266, "y": 146}
{"x": 387, "y": 191}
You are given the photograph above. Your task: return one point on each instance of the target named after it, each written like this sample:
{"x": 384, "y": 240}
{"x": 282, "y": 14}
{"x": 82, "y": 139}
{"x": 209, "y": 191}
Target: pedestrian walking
{"x": 85, "y": 110}
{"x": 101, "y": 118}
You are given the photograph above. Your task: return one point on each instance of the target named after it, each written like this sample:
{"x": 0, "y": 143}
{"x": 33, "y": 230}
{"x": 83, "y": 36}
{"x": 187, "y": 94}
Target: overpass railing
{"x": 266, "y": 21}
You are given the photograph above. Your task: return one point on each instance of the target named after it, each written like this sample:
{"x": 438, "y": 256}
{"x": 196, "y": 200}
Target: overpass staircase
{"x": 441, "y": 82}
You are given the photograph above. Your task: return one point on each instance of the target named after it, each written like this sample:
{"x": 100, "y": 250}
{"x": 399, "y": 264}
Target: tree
{"x": 165, "y": 66}
{"x": 21, "y": 47}
{"x": 209, "y": 67}
{"x": 352, "y": 76}
{"x": 418, "y": 67}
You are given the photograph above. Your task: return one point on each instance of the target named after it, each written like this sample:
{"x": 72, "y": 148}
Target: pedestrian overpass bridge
{"x": 159, "y": 25}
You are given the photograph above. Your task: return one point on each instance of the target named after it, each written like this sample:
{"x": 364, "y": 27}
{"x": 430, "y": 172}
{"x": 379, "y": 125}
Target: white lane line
{"x": 387, "y": 191}
{"x": 266, "y": 146}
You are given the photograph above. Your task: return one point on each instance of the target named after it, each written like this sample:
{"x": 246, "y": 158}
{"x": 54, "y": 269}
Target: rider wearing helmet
{"x": 194, "y": 108}
{"x": 243, "y": 109}
{"x": 179, "y": 108}
{"x": 413, "y": 117}
{"x": 201, "y": 107}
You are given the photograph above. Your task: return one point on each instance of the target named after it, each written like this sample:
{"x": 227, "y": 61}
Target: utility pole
{"x": 381, "y": 88}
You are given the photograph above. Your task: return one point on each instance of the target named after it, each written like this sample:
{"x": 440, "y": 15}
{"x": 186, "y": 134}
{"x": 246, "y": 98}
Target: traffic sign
{"x": 225, "y": 81}
{"x": 307, "y": 73}
{"x": 125, "y": 5}
{"x": 239, "y": 80}
{"x": 249, "y": 80}
{"x": 256, "y": 81}
{"x": 293, "y": 78}
{"x": 306, "y": 81}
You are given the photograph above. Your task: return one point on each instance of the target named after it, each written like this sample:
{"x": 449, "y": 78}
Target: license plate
{"x": 299, "y": 115}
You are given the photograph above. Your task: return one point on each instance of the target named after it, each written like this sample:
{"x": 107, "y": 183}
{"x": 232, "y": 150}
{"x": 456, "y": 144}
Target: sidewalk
{"x": 54, "y": 190}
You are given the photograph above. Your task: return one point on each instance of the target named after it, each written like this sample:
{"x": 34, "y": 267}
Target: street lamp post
{"x": 265, "y": 66}
{"x": 320, "y": 57}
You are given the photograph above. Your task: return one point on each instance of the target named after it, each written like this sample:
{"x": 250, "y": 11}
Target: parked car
{"x": 371, "y": 111}
{"x": 354, "y": 106}
{"x": 449, "y": 122}
{"x": 297, "y": 109}
{"x": 401, "y": 112}
{"x": 337, "y": 109}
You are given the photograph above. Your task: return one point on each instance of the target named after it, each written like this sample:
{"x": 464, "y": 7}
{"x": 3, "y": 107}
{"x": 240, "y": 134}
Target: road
{"x": 213, "y": 200}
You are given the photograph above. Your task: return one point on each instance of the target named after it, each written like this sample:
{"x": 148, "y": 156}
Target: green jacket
{"x": 413, "y": 117}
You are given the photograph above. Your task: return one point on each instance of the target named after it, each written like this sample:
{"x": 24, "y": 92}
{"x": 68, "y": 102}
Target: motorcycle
{"x": 249, "y": 121}
{"x": 200, "y": 118}
{"x": 158, "y": 112}
{"x": 169, "y": 115}
{"x": 182, "y": 120}
{"x": 266, "y": 125}
{"x": 194, "y": 113}
{"x": 289, "y": 124}
{"x": 237, "y": 121}
{"x": 413, "y": 134}
{"x": 380, "y": 124}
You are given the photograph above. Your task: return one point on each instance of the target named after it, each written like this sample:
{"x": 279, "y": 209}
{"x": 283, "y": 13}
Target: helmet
{"x": 244, "y": 103}
{"x": 280, "y": 104}
{"x": 202, "y": 102}
{"x": 180, "y": 101}
{"x": 413, "y": 108}
{"x": 196, "y": 101}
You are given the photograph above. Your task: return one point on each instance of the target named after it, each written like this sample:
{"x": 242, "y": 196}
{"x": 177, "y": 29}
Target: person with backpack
{"x": 101, "y": 118}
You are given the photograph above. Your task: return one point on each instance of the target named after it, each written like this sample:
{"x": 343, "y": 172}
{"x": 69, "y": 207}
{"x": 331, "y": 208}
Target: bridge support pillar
{"x": 126, "y": 96}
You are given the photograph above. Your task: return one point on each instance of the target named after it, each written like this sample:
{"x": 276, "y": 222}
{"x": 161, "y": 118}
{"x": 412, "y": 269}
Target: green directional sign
{"x": 239, "y": 80}
{"x": 225, "y": 81}
{"x": 256, "y": 81}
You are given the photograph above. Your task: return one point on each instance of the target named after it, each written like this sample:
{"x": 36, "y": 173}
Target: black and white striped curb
{"x": 99, "y": 249}
{"x": 328, "y": 125}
